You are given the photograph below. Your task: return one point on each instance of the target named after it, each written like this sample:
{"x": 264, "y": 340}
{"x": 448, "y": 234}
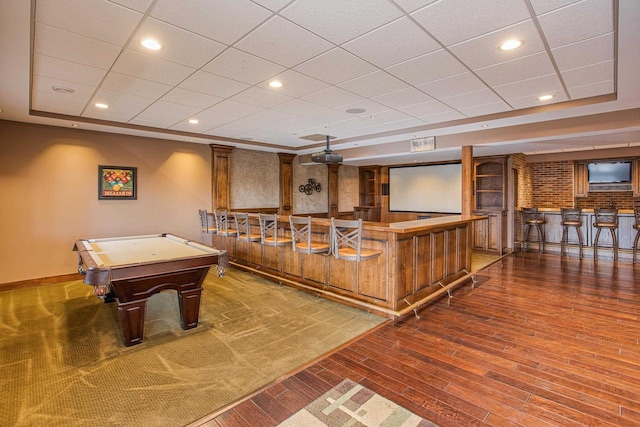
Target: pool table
{"x": 131, "y": 269}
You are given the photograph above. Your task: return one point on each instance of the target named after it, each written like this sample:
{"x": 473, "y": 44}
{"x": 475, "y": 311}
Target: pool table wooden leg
{"x": 189, "y": 307}
{"x": 132, "y": 321}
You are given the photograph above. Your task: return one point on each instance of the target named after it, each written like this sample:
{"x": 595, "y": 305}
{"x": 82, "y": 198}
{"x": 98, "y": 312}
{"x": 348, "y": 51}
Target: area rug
{"x": 63, "y": 363}
{"x": 351, "y": 404}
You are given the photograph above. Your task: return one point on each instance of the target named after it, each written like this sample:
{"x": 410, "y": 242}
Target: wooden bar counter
{"x": 419, "y": 260}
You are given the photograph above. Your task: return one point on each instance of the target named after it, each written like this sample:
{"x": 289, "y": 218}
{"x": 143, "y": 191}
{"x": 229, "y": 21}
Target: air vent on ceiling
{"x": 316, "y": 137}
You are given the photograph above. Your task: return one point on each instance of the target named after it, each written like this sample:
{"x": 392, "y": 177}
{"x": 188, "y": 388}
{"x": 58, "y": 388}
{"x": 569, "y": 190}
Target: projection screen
{"x": 427, "y": 188}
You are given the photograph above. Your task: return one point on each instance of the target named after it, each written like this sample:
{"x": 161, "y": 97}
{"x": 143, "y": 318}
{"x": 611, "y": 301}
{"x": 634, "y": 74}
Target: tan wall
{"x": 255, "y": 179}
{"x": 49, "y": 184}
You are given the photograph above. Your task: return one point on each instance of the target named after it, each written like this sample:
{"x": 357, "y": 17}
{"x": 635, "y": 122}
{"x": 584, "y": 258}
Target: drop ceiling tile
{"x": 532, "y": 100}
{"x": 234, "y": 108}
{"x": 561, "y": 27}
{"x": 532, "y": 87}
{"x": 426, "y": 68}
{"x": 347, "y": 125}
{"x": 178, "y": 45}
{"x": 369, "y": 106}
{"x": 471, "y": 18}
{"x": 122, "y": 106}
{"x": 374, "y": 84}
{"x": 590, "y": 74}
{"x": 338, "y": 20}
{"x": 71, "y": 103}
{"x": 471, "y": 99}
{"x": 226, "y": 21}
{"x": 214, "y": 85}
{"x": 62, "y": 44}
{"x": 44, "y": 101}
{"x": 283, "y": 42}
{"x": 411, "y": 5}
{"x": 296, "y": 84}
{"x": 407, "y": 124}
{"x": 390, "y": 116}
{"x": 481, "y": 110}
{"x": 273, "y": 5}
{"x": 336, "y": 66}
{"x": 137, "y": 5}
{"x": 595, "y": 89}
{"x": 425, "y": 109}
{"x": 134, "y": 86}
{"x": 327, "y": 117}
{"x": 586, "y": 52}
{"x": 544, "y": 6}
{"x": 260, "y": 97}
{"x": 454, "y": 85}
{"x": 445, "y": 116}
{"x": 97, "y": 19}
{"x": 167, "y": 113}
{"x": 299, "y": 107}
{"x": 483, "y": 51}
{"x": 403, "y": 98}
{"x": 182, "y": 96}
{"x": 237, "y": 65}
{"x": 149, "y": 67}
{"x": 207, "y": 119}
{"x": 525, "y": 68}
{"x": 332, "y": 97}
{"x": 66, "y": 70}
{"x": 407, "y": 38}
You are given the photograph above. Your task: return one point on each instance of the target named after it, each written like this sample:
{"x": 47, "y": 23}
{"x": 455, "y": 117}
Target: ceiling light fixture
{"x": 275, "y": 84}
{"x": 151, "y": 44}
{"x": 62, "y": 89}
{"x": 511, "y": 44}
{"x": 74, "y": 125}
{"x": 545, "y": 97}
{"x": 101, "y": 105}
{"x": 194, "y": 121}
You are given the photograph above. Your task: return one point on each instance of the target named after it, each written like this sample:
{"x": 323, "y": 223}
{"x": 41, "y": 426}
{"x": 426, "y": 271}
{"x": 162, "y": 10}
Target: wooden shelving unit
{"x": 370, "y": 192}
{"x": 490, "y": 184}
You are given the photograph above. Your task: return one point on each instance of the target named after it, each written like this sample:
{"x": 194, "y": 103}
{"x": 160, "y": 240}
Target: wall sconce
{"x": 310, "y": 186}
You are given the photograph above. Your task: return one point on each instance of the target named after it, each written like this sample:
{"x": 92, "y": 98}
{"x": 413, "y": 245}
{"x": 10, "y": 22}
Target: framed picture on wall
{"x": 117, "y": 183}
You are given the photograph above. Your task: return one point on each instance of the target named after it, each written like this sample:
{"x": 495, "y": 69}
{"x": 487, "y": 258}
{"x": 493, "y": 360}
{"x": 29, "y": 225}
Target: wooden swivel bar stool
{"x": 570, "y": 218}
{"x": 606, "y": 219}
{"x": 636, "y": 226}
{"x": 532, "y": 218}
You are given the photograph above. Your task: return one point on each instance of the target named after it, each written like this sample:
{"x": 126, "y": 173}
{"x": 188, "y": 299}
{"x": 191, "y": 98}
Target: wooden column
{"x": 286, "y": 183}
{"x": 332, "y": 195}
{"x": 467, "y": 180}
{"x": 220, "y": 176}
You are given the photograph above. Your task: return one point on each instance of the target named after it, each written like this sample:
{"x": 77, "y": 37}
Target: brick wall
{"x": 552, "y": 187}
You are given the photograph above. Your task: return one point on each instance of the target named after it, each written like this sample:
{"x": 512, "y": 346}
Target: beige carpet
{"x": 62, "y": 361}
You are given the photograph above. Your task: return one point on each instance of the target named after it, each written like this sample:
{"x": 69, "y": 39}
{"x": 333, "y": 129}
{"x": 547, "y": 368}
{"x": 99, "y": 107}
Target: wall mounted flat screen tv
{"x": 427, "y": 188}
{"x": 609, "y": 172}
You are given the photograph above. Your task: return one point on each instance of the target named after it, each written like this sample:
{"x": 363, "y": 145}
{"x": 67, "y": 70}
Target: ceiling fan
{"x": 326, "y": 156}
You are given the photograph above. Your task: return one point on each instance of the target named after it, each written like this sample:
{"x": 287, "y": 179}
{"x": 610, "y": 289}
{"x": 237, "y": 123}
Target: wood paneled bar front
{"x": 419, "y": 260}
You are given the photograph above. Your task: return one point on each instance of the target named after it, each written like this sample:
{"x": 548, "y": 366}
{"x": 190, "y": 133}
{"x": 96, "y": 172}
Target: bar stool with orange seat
{"x": 303, "y": 237}
{"x": 606, "y": 218}
{"x": 244, "y": 228}
{"x": 269, "y": 231}
{"x": 570, "y": 217}
{"x": 225, "y": 224}
{"x": 532, "y": 218}
{"x": 346, "y": 236}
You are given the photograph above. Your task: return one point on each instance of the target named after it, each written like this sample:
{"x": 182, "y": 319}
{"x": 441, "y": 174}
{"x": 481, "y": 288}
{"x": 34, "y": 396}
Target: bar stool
{"x": 244, "y": 228}
{"x": 206, "y": 225}
{"x": 606, "y": 219}
{"x": 636, "y": 226}
{"x": 222, "y": 224}
{"x": 302, "y": 237}
{"x": 532, "y": 218}
{"x": 571, "y": 217}
{"x": 346, "y": 236}
{"x": 269, "y": 235}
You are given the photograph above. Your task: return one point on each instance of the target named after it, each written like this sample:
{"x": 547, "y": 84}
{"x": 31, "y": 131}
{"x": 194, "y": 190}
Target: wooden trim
{"x": 220, "y": 176}
{"x": 286, "y": 183}
{"x": 32, "y": 283}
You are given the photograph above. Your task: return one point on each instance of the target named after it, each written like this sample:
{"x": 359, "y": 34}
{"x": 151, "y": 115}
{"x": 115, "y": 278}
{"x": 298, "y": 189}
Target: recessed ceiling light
{"x": 484, "y": 126}
{"x": 101, "y": 105}
{"x": 355, "y": 110}
{"x": 194, "y": 121}
{"x": 545, "y": 97}
{"x": 151, "y": 44}
{"x": 74, "y": 125}
{"x": 62, "y": 89}
{"x": 511, "y": 44}
{"x": 275, "y": 84}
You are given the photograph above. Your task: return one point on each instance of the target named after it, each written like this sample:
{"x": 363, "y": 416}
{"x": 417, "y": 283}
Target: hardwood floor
{"x": 541, "y": 340}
